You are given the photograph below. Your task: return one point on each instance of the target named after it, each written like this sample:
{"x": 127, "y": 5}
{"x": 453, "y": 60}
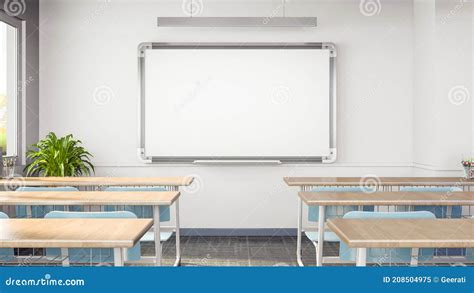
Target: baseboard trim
{"x": 435, "y": 168}
{"x": 239, "y": 232}
{"x": 292, "y": 164}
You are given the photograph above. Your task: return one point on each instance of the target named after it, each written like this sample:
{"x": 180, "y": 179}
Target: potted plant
{"x": 61, "y": 157}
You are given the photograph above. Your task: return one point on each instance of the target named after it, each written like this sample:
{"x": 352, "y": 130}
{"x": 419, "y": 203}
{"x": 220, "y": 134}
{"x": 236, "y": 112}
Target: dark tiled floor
{"x": 224, "y": 251}
{"x": 239, "y": 251}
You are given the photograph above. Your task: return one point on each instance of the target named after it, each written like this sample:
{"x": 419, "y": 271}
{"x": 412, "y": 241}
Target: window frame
{"x": 20, "y": 26}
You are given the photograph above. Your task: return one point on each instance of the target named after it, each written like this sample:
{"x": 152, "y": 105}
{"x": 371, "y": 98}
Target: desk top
{"x": 387, "y": 198}
{"x": 413, "y": 233}
{"x": 152, "y": 198}
{"x": 387, "y": 181}
{"x": 71, "y": 233}
{"x": 97, "y": 181}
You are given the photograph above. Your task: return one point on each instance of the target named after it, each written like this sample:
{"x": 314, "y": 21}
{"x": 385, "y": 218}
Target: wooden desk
{"x": 74, "y": 233}
{"x": 148, "y": 198}
{"x": 97, "y": 181}
{"x": 387, "y": 198}
{"x": 403, "y": 233}
{"x": 380, "y": 181}
{"x": 69, "y": 198}
{"x": 172, "y": 184}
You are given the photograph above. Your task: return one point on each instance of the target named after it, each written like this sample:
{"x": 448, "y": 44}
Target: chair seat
{"x": 150, "y": 236}
{"x": 328, "y": 236}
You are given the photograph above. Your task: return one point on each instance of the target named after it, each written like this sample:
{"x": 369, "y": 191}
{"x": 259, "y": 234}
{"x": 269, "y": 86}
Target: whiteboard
{"x": 237, "y": 102}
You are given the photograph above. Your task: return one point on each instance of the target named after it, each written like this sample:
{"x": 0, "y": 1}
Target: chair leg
{"x": 322, "y": 217}
{"x": 118, "y": 257}
{"x": 299, "y": 231}
{"x": 315, "y": 243}
{"x": 65, "y": 256}
{"x": 177, "y": 234}
{"x": 414, "y": 257}
{"x": 361, "y": 257}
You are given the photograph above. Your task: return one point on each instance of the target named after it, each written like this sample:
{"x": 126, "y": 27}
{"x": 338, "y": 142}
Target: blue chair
{"x": 440, "y": 212}
{"x": 333, "y": 212}
{"x": 6, "y": 254}
{"x": 95, "y": 255}
{"x": 386, "y": 255}
{"x": 40, "y": 211}
{"x": 144, "y": 211}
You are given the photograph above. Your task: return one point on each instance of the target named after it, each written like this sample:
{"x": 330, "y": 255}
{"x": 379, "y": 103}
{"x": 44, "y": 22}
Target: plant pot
{"x": 468, "y": 172}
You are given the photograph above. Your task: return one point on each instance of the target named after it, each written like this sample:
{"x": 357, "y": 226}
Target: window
{"x": 10, "y": 83}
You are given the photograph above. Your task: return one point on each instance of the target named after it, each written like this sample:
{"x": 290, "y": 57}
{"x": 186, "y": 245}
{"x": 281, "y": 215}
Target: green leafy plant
{"x": 53, "y": 156}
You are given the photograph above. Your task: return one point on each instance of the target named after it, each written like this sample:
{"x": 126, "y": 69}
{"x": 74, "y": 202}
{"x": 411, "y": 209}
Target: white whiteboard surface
{"x": 220, "y": 103}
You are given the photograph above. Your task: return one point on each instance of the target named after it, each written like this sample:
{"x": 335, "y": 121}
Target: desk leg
{"x": 298, "y": 236}
{"x": 361, "y": 258}
{"x": 177, "y": 234}
{"x": 449, "y": 212}
{"x": 65, "y": 256}
{"x": 319, "y": 255}
{"x": 29, "y": 212}
{"x": 414, "y": 257}
{"x": 125, "y": 254}
{"x": 156, "y": 228}
{"x": 118, "y": 257}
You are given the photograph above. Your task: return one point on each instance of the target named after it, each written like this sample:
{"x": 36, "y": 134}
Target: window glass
{"x": 8, "y": 88}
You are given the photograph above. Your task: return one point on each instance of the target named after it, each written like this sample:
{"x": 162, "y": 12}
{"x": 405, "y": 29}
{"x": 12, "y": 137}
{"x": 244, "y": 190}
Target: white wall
{"x": 425, "y": 136}
{"x": 443, "y": 84}
{"x": 89, "y": 47}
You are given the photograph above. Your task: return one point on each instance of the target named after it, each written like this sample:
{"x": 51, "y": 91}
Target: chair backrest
{"x": 42, "y": 188}
{"x": 91, "y": 215}
{"x": 40, "y": 211}
{"x": 389, "y": 215}
{"x": 6, "y": 254}
{"x": 141, "y": 211}
{"x": 95, "y": 255}
{"x": 430, "y": 189}
{"x": 331, "y": 212}
{"x": 384, "y": 255}
{"x": 439, "y": 211}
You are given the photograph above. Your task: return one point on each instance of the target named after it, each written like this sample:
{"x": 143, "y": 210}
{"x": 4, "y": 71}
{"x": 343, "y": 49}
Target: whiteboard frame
{"x": 143, "y": 47}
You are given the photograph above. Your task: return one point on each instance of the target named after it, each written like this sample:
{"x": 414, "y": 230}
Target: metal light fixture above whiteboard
{"x": 264, "y": 21}
{"x": 237, "y": 21}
